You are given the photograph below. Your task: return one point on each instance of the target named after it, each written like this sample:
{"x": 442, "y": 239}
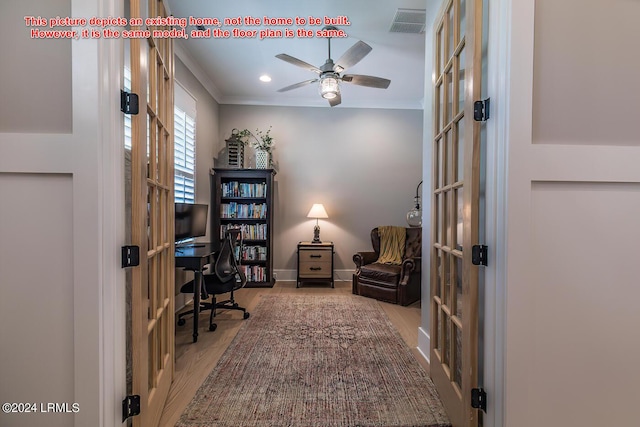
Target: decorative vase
{"x": 262, "y": 159}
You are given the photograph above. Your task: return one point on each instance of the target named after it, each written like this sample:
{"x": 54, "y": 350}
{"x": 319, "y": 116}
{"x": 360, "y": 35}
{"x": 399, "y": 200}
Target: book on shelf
{"x": 243, "y": 210}
{"x": 254, "y": 273}
{"x": 254, "y": 253}
{"x": 244, "y": 189}
{"x": 249, "y": 231}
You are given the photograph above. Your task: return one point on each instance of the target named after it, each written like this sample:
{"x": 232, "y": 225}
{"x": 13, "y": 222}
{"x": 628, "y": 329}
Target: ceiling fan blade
{"x": 352, "y": 56}
{"x": 335, "y": 101}
{"x": 297, "y": 85}
{"x": 295, "y": 61}
{"x": 369, "y": 81}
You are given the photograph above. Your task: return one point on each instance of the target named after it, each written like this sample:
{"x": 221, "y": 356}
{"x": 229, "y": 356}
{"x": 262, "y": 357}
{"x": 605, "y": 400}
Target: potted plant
{"x": 263, "y": 146}
{"x": 262, "y": 142}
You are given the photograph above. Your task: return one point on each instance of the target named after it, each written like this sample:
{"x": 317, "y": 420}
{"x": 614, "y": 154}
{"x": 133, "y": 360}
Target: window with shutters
{"x": 184, "y": 130}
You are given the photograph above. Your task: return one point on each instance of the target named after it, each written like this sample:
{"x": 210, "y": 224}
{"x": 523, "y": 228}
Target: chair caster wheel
{"x": 213, "y": 327}
{"x": 246, "y": 315}
{"x": 181, "y": 322}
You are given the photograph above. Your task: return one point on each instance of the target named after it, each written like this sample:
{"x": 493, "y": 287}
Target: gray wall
{"x": 363, "y": 164}
{"x": 207, "y": 131}
{"x": 36, "y": 90}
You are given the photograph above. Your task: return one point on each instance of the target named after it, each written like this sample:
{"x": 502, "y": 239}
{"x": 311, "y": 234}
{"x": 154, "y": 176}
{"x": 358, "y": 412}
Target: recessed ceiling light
{"x": 265, "y": 78}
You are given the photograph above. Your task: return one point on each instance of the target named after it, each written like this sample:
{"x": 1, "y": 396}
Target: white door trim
{"x": 424, "y": 338}
{"x": 111, "y": 300}
{"x": 498, "y": 89}
{"x": 113, "y": 316}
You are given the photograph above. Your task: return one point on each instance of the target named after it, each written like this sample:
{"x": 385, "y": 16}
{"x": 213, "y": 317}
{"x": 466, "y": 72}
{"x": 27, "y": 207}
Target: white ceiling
{"x": 231, "y": 67}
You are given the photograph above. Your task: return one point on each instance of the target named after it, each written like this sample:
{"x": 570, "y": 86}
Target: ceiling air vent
{"x": 409, "y": 21}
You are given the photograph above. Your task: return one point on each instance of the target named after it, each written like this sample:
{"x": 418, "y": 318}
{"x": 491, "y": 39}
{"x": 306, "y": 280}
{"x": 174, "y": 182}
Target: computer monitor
{"x": 190, "y": 221}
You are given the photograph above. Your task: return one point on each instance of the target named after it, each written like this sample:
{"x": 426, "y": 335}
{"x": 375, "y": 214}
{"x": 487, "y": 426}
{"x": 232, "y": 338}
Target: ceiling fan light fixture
{"x": 329, "y": 86}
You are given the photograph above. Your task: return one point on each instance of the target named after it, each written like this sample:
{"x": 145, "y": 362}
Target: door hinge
{"x": 128, "y": 102}
{"x": 481, "y": 110}
{"x": 130, "y": 406}
{"x": 130, "y": 256}
{"x": 479, "y": 399}
{"x": 479, "y": 255}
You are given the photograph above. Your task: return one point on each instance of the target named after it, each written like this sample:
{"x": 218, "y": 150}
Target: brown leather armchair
{"x": 398, "y": 284}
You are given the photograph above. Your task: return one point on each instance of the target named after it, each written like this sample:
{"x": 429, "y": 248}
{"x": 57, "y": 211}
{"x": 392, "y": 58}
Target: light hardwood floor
{"x": 194, "y": 361}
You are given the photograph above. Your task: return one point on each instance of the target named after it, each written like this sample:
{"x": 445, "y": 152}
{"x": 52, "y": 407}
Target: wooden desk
{"x": 194, "y": 257}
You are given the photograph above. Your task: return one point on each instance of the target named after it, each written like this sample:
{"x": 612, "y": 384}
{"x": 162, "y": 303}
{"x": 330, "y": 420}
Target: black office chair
{"x": 226, "y": 278}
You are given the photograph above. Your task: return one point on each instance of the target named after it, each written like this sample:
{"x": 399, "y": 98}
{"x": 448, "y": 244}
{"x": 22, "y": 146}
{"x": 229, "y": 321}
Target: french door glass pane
{"x": 151, "y": 371}
{"x": 439, "y": 317}
{"x": 462, "y": 10}
{"x": 441, "y": 113}
{"x": 450, "y": 29}
{"x": 459, "y": 298}
{"x": 449, "y": 86}
{"x": 148, "y": 144}
{"x": 149, "y": 213}
{"x": 460, "y": 141}
{"x": 450, "y": 159}
{"x": 446, "y": 330}
{"x": 457, "y": 364}
{"x": 438, "y": 211}
{"x": 446, "y": 215}
{"x": 440, "y": 161}
{"x": 459, "y": 220}
{"x": 438, "y": 109}
{"x": 441, "y": 53}
{"x": 439, "y": 261}
{"x": 461, "y": 62}
{"x": 447, "y": 280}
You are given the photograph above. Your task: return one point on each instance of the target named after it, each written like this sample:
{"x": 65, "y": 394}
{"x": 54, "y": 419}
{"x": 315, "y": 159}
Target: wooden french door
{"x": 456, "y": 166}
{"x": 152, "y": 299}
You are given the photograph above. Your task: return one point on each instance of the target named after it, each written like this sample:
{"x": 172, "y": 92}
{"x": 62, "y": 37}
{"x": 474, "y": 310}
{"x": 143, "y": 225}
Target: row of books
{"x": 244, "y": 189}
{"x": 254, "y": 253}
{"x": 240, "y": 210}
{"x": 255, "y": 273}
{"x": 249, "y": 231}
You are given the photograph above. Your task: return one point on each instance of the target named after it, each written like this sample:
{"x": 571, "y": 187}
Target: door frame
{"x": 495, "y": 274}
{"x": 111, "y": 341}
{"x": 110, "y": 55}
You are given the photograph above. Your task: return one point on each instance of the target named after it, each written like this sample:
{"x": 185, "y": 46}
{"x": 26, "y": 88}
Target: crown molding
{"x": 199, "y": 73}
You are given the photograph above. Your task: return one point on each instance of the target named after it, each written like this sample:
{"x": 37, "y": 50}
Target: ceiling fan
{"x": 329, "y": 74}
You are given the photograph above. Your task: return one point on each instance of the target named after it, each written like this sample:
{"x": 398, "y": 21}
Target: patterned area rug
{"x": 316, "y": 361}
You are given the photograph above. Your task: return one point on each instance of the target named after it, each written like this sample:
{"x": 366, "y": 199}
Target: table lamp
{"x": 414, "y": 216}
{"x": 317, "y": 211}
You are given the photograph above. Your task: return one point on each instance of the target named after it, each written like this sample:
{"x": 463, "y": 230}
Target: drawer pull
{"x": 315, "y": 256}
{"x": 315, "y": 268}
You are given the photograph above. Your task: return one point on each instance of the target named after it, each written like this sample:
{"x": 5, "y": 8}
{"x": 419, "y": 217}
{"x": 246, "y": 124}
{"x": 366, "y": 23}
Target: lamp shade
{"x": 329, "y": 86}
{"x": 317, "y": 211}
{"x": 414, "y": 216}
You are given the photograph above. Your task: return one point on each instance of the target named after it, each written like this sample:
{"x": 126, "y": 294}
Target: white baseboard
{"x": 292, "y": 275}
{"x": 285, "y": 275}
{"x": 182, "y": 301}
{"x": 424, "y": 343}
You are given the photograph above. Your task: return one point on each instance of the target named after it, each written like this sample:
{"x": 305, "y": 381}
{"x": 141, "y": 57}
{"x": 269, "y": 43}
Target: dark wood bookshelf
{"x": 244, "y": 182}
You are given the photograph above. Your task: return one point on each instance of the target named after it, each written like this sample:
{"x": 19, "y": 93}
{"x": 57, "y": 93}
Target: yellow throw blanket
{"x": 392, "y": 243}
